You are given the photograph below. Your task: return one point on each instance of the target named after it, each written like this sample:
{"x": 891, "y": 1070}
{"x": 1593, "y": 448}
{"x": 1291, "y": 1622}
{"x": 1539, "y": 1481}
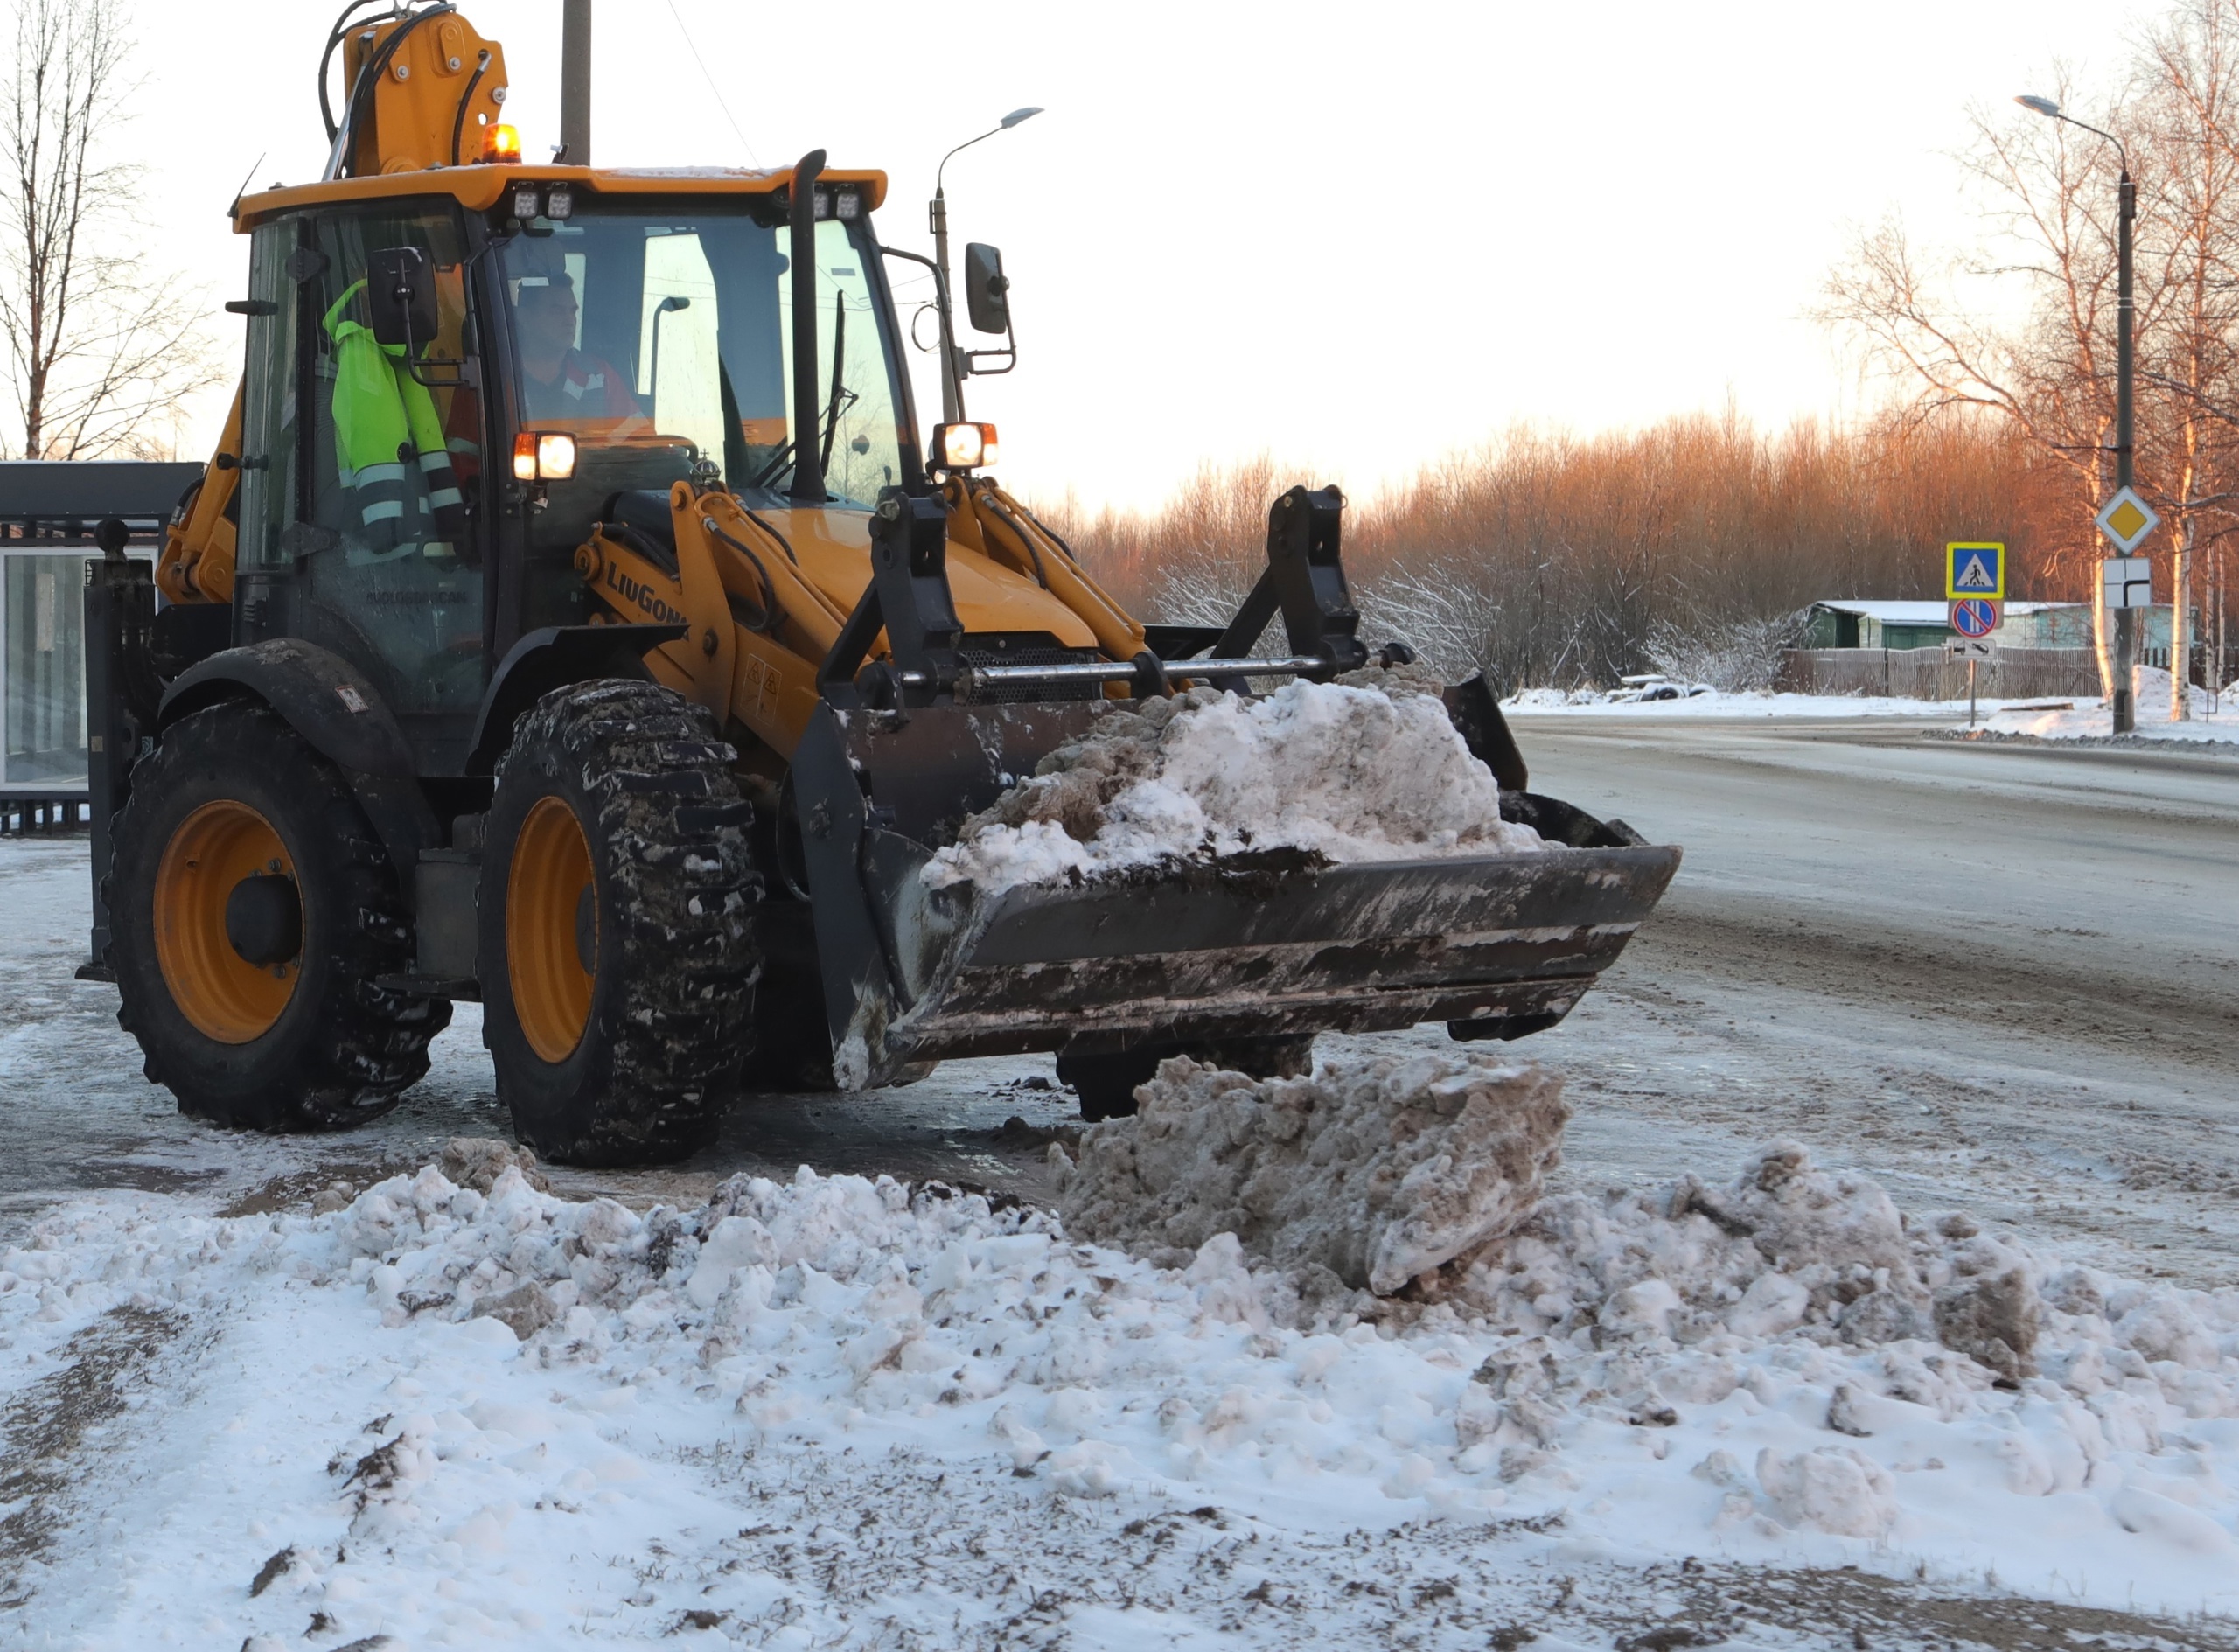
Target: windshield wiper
{"x": 838, "y": 388}
{"x": 841, "y": 399}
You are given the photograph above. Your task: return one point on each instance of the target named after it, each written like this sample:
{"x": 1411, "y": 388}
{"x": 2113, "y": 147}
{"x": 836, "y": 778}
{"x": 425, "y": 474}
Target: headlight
{"x": 543, "y": 455}
{"x": 963, "y": 447}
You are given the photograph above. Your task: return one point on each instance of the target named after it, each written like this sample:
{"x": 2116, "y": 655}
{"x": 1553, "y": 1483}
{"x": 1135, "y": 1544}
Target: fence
{"x": 1930, "y": 673}
{"x": 20, "y": 813}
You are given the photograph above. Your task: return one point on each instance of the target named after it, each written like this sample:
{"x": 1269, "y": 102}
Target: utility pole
{"x": 2122, "y": 702}
{"x": 2122, "y": 698}
{"x": 576, "y": 83}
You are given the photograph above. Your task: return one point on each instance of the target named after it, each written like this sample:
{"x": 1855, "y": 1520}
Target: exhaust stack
{"x": 576, "y": 83}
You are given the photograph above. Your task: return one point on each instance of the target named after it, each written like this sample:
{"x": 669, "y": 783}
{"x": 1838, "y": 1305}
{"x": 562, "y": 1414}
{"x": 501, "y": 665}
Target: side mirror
{"x": 986, "y": 289}
{"x": 400, "y": 293}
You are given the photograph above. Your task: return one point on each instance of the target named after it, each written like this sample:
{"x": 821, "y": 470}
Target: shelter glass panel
{"x": 45, "y": 665}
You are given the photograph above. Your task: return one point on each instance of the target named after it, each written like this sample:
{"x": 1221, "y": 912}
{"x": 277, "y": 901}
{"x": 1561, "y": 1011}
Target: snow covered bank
{"x": 1586, "y": 702}
{"x": 1366, "y": 769}
{"x": 841, "y": 1412}
{"x": 2090, "y": 720}
{"x": 2053, "y": 717}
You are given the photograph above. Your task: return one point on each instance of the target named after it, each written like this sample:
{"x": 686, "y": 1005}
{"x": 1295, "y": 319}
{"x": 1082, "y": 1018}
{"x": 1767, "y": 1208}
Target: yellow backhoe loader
{"x": 575, "y": 620}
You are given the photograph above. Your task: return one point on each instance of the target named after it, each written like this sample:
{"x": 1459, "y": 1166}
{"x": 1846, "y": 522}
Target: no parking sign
{"x": 1975, "y": 617}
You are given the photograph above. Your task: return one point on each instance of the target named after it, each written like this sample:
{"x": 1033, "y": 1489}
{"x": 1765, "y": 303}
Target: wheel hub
{"x": 229, "y": 922}
{"x": 264, "y": 919}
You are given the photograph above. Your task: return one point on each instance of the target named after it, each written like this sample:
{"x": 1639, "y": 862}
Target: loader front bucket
{"x": 1272, "y": 945}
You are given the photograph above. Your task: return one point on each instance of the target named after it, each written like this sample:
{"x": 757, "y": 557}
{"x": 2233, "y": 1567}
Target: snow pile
{"x": 1369, "y": 769}
{"x": 2061, "y": 718}
{"x": 1370, "y": 1171}
{"x": 837, "y": 1411}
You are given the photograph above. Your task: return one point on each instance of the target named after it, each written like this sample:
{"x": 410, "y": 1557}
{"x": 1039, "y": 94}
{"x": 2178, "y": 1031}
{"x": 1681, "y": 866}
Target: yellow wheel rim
{"x": 223, "y": 995}
{"x": 546, "y": 889}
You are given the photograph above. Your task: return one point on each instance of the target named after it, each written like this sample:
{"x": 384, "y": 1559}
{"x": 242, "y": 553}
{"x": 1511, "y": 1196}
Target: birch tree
{"x": 103, "y": 341}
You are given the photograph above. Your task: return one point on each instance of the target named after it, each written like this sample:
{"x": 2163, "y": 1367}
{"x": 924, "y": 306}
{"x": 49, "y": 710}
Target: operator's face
{"x": 547, "y": 323}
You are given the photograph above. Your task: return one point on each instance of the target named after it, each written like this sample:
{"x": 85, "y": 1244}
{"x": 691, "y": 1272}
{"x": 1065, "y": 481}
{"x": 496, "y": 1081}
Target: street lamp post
{"x": 952, "y": 364}
{"x": 2123, "y": 701}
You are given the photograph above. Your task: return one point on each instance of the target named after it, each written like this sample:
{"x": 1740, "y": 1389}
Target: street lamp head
{"x": 1016, "y": 116}
{"x": 2042, "y": 105}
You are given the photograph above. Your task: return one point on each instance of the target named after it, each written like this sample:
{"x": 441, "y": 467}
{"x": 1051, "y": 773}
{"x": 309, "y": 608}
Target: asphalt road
{"x": 2000, "y": 978}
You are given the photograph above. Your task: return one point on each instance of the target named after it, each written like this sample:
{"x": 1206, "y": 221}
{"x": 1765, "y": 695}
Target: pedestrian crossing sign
{"x": 1974, "y": 569}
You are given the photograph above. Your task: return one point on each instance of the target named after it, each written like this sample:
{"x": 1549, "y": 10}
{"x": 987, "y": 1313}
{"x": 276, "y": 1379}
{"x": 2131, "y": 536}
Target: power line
{"x": 692, "y": 47}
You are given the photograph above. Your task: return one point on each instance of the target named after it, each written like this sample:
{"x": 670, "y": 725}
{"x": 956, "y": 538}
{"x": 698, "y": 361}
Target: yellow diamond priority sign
{"x": 2126, "y": 519}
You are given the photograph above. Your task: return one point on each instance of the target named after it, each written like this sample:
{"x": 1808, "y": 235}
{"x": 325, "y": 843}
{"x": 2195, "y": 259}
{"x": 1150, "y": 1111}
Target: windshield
{"x": 660, "y": 338}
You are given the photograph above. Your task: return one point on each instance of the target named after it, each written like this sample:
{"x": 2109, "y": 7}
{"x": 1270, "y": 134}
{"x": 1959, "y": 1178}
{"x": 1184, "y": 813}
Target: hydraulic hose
{"x": 772, "y": 615}
{"x": 466, "y": 102}
{"x": 343, "y": 24}
{"x": 369, "y": 77}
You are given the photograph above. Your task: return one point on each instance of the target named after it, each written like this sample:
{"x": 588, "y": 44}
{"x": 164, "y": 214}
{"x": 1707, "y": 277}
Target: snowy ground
{"x": 940, "y": 1424}
{"x": 831, "y": 1413}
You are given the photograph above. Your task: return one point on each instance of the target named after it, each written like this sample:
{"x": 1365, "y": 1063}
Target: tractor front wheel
{"x": 617, "y": 958}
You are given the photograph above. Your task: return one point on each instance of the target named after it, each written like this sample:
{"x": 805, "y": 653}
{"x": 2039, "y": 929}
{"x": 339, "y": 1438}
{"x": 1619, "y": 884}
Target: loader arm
{"x": 196, "y": 564}
{"x": 989, "y": 520}
{"x": 765, "y": 597}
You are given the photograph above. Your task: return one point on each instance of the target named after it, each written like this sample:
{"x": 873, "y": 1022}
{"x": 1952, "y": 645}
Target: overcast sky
{"x": 1357, "y": 235}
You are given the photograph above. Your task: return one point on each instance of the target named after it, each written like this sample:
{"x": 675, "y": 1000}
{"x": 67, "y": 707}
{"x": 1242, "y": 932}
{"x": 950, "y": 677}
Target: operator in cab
{"x": 560, "y": 384}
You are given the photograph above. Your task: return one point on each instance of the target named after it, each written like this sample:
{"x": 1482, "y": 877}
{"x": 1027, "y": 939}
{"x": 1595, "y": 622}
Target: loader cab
{"x": 418, "y": 510}
{"x": 362, "y": 526}
{"x": 650, "y": 341}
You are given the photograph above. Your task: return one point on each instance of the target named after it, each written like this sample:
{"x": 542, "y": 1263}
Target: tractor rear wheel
{"x": 617, "y": 958}
{"x": 253, "y": 909}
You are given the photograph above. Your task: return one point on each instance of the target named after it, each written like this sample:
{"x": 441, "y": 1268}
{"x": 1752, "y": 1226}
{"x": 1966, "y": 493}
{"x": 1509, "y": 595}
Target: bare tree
{"x": 102, "y": 345}
{"x": 1929, "y": 322}
{"x": 2048, "y": 202}
{"x": 2190, "y": 127}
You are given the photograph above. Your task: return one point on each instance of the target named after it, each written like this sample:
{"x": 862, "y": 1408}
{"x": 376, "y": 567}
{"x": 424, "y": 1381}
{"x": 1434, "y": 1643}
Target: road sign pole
{"x": 1971, "y": 691}
{"x": 2122, "y": 702}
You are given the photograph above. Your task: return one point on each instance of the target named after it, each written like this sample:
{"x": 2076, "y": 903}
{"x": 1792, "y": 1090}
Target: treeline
{"x": 1554, "y": 560}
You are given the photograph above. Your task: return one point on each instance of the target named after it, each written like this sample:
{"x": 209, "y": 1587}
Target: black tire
{"x": 667, "y": 1004}
{"x": 1105, "y": 1081}
{"x": 342, "y": 1050}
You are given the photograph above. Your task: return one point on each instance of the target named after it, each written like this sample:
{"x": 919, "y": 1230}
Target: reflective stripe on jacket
{"x": 386, "y": 430}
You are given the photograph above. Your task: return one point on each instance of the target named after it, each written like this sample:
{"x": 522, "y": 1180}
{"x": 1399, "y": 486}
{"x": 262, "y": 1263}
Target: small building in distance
{"x": 1911, "y": 624}
{"x": 1876, "y": 625}
{"x": 2060, "y": 625}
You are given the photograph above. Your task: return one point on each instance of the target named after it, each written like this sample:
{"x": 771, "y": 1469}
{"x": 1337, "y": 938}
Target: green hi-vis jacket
{"x": 385, "y": 429}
